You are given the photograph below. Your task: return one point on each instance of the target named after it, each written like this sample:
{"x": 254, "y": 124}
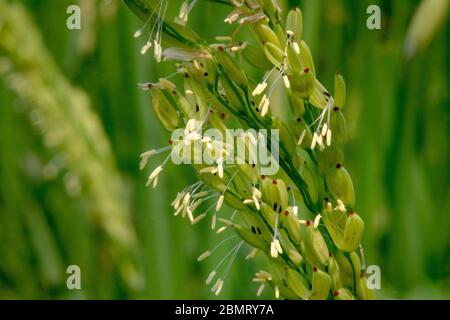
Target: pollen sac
{"x": 340, "y": 185}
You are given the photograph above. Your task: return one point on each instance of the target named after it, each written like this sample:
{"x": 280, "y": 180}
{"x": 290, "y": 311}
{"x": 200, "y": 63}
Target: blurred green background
{"x": 73, "y": 123}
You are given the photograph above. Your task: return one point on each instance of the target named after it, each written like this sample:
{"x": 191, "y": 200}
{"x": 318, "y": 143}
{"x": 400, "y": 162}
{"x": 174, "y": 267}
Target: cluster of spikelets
{"x": 302, "y": 217}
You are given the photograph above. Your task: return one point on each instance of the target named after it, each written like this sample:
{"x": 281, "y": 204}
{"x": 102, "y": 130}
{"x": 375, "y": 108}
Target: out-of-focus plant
{"x": 72, "y": 130}
{"x": 427, "y": 21}
{"x": 302, "y": 217}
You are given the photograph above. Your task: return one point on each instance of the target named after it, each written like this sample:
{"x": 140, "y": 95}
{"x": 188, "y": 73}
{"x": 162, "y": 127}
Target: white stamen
{"x": 158, "y": 51}
{"x": 296, "y": 47}
{"x": 189, "y": 214}
{"x": 184, "y": 13}
{"x": 176, "y": 202}
{"x": 273, "y": 250}
{"x": 154, "y": 174}
{"x": 145, "y": 48}
{"x": 302, "y": 136}
{"x": 256, "y": 202}
{"x": 213, "y": 221}
{"x": 277, "y": 292}
{"x": 265, "y": 107}
{"x": 295, "y": 210}
{"x": 211, "y": 170}
{"x": 186, "y": 198}
{"x": 220, "y": 169}
{"x": 286, "y": 81}
{"x": 221, "y": 229}
{"x": 252, "y": 254}
{"x": 320, "y": 142}
{"x": 219, "y": 202}
{"x": 260, "y": 289}
{"x": 314, "y": 141}
{"x": 259, "y": 88}
{"x": 329, "y": 206}
{"x": 155, "y": 183}
{"x": 199, "y": 218}
{"x": 210, "y": 277}
{"x": 219, "y": 288}
{"x": 324, "y": 129}
{"x": 329, "y": 137}
{"x": 278, "y": 246}
{"x": 204, "y": 255}
{"x": 317, "y": 220}
{"x": 232, "y": 18}
{"x": 138, "y": 33}
{"x": 340, "y": 206}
